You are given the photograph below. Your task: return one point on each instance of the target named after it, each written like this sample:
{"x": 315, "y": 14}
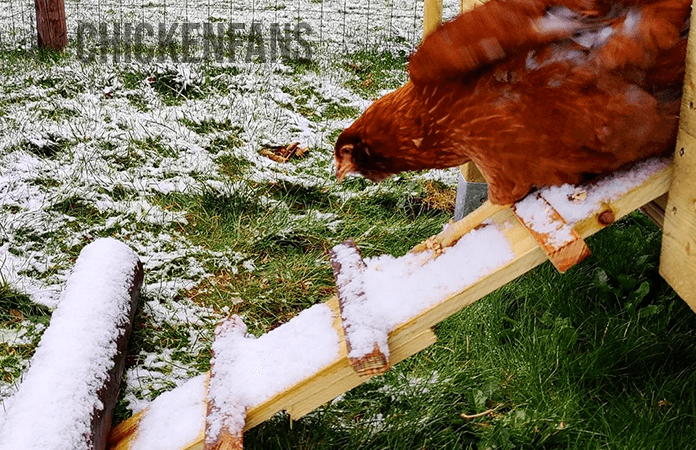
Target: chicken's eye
{"x": 345, "y": 150}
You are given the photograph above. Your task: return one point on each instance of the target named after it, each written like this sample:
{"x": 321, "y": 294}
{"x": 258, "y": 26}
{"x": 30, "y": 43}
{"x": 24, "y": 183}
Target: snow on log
{"x": 368, "y": 351}
{"x": 561, "y": 243}
{"x": 68, "y": 395}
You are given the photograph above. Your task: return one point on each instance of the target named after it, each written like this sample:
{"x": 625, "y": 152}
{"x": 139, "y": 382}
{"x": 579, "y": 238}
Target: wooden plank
{"x": 653, "y": 188}
{"x": 416, "y": 334}
{"x": 226, "y": 442}
{"x": 332, "y": 384}
{"x": 563, "y": 253}
{"x": 678, "y": 257}
{"x": 336, "y": 378}
{"x": 432, "y": 15}
{"x": 307, "y": 395}
{"x": 50, "y": 24}
{"x": 471, "y": 173}
{"x": 655, "y": 210}
{"x": 466, "y": 5}
{"x": 222, "y": 437}
{"x": 450, "y": 235}
{"x": 348, "y": 267}
{"x": 687, "y": 117}
{"x": 529, "y": 255}
{"x": 122, "y": 436}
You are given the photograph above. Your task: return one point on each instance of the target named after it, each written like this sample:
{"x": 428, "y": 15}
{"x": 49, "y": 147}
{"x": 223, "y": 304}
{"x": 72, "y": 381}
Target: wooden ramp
{"x": 416, "y": 334}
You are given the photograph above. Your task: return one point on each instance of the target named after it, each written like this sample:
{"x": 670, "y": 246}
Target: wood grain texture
{"x": 678, "y": 257}
{"x": 432, "y": 15}
{"x": 50, "y": 24}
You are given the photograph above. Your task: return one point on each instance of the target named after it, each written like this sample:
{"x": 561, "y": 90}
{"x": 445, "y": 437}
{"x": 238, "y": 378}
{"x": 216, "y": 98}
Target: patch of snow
{"x": 398, "y": 289}
{"x": 248, "y": 371}
{"x": 575, "y": 203}
{"x": 54, "y": 405}
{"x": 538, "y": 215}
{"x": 174, "y": 419}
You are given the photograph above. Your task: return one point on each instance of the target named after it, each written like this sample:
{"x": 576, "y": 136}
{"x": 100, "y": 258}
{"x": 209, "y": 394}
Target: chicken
{"x": 534, "y": 92}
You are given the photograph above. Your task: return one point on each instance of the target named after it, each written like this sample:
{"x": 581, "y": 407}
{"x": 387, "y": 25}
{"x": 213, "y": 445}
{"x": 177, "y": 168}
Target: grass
{"x": 290, "y": 244}
{"x": 15, "y": 311}
{"x": 374, "y": 71}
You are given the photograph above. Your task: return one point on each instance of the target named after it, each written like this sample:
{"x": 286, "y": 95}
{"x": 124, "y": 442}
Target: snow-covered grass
{"x": 166, "y": 157}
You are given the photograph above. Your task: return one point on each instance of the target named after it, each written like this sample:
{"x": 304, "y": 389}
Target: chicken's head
{"x": 361, "y": 154}
{"x": 384, "y": 140}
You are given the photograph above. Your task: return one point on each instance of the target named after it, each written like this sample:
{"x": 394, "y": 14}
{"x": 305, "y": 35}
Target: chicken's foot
{"x": 454, "y": 231}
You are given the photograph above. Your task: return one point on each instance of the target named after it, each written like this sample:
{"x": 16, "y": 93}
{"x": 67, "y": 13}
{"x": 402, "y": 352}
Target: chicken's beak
{"x": 343, "y": 168}
{"x": 344, "y": 165}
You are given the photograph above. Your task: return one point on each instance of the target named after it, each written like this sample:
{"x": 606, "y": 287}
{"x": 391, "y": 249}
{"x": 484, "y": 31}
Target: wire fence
{"x": 17, "y": 23}
{"x": 331, "y": 25}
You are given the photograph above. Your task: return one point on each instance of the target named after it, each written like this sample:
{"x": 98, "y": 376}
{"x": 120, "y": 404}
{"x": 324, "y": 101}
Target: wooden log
{"x": 349, "y": 288}
{"x": 108, "y": 394}
{"x": 562, "y": 244}
{"x": 69, "y": 393}
{"x": 50, "y": 24}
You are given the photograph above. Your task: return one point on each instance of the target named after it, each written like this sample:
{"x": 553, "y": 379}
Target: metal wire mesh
{"x": 334, "y": 25}
{"x": 17, "y": 23}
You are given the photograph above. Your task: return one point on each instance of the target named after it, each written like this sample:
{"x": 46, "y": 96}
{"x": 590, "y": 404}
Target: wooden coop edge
{"x": 678, "y": 256}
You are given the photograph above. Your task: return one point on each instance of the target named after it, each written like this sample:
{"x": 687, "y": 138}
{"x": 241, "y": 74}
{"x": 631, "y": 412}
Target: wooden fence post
{"x": 432, "y": 15}
{"x": 50, "y": 24}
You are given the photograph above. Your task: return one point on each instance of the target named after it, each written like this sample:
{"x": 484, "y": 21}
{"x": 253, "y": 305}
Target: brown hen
{"x": 535, "y": 92}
